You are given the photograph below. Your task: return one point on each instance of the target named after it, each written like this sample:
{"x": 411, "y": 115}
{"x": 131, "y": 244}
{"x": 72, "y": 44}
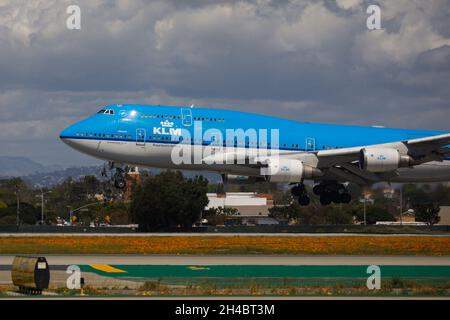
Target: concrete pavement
{"x": 55, "y": 260}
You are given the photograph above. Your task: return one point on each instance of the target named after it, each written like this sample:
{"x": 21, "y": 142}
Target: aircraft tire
{"x": 318, "y": 189}
{"x": 296, "y": 191}
{"x": 336, "y": 197}
{"x": 325, "y": 199}
{"x": 304, "y": 200}
{"x": 346, "y": 197}
{"x": 120, "y": 184}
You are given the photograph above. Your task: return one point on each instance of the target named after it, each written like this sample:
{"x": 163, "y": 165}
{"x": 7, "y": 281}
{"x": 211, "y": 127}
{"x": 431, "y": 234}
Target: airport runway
{"x": 64, "y": 260}
{"x": 176, "y": 234}
{"x": 130, "y": 271}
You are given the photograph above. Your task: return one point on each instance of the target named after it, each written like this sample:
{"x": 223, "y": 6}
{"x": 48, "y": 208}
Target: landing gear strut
{"x": 332, "y": 192}
{"x": 299, "y": 191}
{"x": 118, "y": 174}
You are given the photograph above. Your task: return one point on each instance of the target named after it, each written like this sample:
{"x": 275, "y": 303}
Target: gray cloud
{"x": 306, "y": 60}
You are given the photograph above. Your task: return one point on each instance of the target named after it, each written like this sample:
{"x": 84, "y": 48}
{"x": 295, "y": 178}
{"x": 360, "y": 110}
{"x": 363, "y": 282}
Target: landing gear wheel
{"x": 346, "y": 198}
{"x": 318, "y": 189}
{"x": 332, "y": 192}
{"x": 120, "y": 183}
{"x": 325, "y": 199}
{"x": 304, "y": 200}
{"x": 335, "y": 197}
{"x": 297, "y": 191}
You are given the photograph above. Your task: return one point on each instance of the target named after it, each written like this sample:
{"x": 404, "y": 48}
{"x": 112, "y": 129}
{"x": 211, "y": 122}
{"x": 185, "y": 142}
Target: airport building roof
{"x": 247, "y": 203}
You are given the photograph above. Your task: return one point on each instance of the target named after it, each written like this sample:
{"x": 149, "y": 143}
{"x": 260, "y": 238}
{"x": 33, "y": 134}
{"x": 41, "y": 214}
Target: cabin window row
{"x": 157, "y": 116}
{"x": 104, "y": 135}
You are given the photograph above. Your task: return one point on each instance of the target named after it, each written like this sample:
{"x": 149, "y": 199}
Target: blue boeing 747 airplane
{"x": 235, "y": 143}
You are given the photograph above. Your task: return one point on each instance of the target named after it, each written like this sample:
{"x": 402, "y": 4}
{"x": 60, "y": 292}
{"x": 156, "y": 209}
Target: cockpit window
{"x": 106, "y": 111}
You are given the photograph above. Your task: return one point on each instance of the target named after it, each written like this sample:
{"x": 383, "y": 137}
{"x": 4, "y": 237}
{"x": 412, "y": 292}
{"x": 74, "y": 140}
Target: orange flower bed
{"x": 345, "y": 245}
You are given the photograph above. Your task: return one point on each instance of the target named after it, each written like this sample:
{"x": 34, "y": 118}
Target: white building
{"x": 444, "y": 213}
{"x": 252, "y": 208}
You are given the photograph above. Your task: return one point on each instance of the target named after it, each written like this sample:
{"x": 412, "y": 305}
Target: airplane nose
{"x": 67, "y": 136}
{"x": 75, "y": 136}
{"x": 74, "y": 130}
{"x": 66, "y": 133}
{"x": 78, "y": 129}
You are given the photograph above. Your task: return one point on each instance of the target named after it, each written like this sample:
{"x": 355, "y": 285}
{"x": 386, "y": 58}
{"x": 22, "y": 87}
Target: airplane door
{"x": 186, "y": 117}
{"x": 140, "y": 137}
{"x": 310, "y": 144}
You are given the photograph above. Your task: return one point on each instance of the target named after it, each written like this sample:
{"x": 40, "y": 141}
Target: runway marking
{"x": 196, "y": 268}
{"x": 269, "y": 271}
{"x": 107, "y": 268}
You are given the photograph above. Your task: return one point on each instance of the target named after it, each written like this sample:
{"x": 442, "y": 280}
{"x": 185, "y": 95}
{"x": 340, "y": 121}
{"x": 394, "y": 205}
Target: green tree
{"x": 291, "y": 211}
{"x": 91, "y": 185}
{"x": 28, "y": 214}
{"x": 168, "y": 200}
{"x": 374, "y": 213}
{"x": 413, "y": 194}
{"x": 8, "y": 202}
{"x": 283, "y": 197}
{"x": 217, "y": 216}
{"x": 441, "y": 195}
{"x": 427, "y": 212}
{"x": 118, "y": 212}
{"x": 338, "y": 215}
{"x": 312, "y": 215}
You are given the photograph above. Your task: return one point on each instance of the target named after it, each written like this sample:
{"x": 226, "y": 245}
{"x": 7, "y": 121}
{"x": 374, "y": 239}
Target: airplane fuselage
{"x": 148, "y": 135}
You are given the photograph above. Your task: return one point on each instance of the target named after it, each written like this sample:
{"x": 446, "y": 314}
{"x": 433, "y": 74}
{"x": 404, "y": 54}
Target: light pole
{"x": 70, "y": 214}
{"x": 18, "y": 206}
{"x": 401, "y": 204}
{"x": 42, "y": 204}
{"x": 365, "y": 200}
{"x": 366, "y": 195}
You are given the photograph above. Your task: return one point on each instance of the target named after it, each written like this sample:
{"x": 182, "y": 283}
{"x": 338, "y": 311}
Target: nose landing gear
{"x": 120, "y": 183}
{"x": 117, "y": 173}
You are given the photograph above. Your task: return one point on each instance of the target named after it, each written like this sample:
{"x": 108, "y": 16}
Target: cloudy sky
{"x": 305, "y": 60}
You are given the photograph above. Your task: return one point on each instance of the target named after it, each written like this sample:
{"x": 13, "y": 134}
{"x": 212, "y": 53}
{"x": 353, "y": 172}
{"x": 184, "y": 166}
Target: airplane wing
{"x": 422, "y": 148}
{"x": 343, "y": 163}
{"x": 433, "y": 144}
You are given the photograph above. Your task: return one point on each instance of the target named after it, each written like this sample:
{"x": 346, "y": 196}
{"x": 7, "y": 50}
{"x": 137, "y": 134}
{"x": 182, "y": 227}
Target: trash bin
{"x": 30, "y": 274}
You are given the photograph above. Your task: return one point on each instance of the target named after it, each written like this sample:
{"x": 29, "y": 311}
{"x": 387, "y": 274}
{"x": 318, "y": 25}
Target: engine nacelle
{"x": 288, "y": 170}
{"x": 382, "y": 160}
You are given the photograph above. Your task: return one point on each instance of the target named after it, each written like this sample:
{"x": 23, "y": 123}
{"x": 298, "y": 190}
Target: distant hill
{"x": 18, "y": 166}
{"x": 47, "y": 176}
{"x": 51, "y": 178}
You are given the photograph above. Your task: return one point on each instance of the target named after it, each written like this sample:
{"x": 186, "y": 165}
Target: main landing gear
{"x": 332, "y": 192}
{"x": 329, "y": 192}
{"x": 299, "y": 191}
{"x": 117, "y": 174}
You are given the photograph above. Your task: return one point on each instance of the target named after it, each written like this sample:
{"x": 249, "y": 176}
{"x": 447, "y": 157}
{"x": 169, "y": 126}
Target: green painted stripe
{"x": 265, "y": 271}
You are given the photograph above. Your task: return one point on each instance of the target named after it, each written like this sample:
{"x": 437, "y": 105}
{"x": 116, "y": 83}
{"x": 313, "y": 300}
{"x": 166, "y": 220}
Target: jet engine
{"x": 288, "y": 170}
{"x": 378, "y": 160}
